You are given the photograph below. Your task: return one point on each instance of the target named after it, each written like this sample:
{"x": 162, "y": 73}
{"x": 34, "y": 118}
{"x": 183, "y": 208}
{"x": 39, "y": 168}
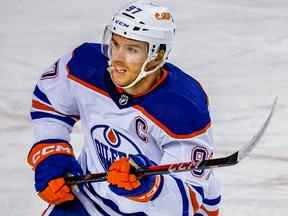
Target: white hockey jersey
{"x": 168, "y": 124}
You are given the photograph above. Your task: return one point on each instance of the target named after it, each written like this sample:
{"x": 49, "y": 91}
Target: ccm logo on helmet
{"x": 121, "y": 23}
{"x": 163, "y": 16}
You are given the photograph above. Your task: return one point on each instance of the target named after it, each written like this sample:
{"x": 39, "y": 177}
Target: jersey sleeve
{"x": 199, "y": 190}
{"x": 54, "y": 109}
{"x": 190, "y": 193}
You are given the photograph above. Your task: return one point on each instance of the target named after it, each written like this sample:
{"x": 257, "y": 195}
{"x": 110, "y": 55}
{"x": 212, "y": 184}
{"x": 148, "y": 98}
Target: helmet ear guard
{"x": 147, "y": 22}
{"x": 160, "y": 56}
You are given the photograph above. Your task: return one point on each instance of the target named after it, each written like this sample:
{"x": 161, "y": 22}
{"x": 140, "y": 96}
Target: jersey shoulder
{"x": 184, "y": 84}
{"x": 180, "y": 104}
{"x": 88, "y": 64}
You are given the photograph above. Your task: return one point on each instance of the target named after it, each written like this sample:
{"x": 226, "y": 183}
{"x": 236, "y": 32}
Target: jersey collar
{"x": 123, "y": 99}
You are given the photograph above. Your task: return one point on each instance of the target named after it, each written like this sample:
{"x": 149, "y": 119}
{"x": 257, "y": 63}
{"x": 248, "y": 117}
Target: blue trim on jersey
{"x": 198, "y": 214}
{"x": 40, "y": 95}
{"x": 185, "y": 201}
{"x": 39, "y": 115}
{"x": 199, "y": 190}
{"x": 212, "y": 202}
{"x": 112, "y": 204}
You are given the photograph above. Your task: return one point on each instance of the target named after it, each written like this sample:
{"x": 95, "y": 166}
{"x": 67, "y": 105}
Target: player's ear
{"x": 160, "y": 55}
{"x": 159, "y": 58}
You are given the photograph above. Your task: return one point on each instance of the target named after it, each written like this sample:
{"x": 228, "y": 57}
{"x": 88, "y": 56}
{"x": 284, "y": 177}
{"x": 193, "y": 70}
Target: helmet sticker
{"x": 163, "y": 16}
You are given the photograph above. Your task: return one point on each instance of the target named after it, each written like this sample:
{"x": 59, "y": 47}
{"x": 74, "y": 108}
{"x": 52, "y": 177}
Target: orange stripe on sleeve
{"x": 43, "y": 150}
{"x": 210, "y": 213}
{"x": 38, "y": 105}
{"x": 194, "y": 201}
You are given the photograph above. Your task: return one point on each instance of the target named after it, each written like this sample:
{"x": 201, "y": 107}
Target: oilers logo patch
{"x": 110, "y": 144}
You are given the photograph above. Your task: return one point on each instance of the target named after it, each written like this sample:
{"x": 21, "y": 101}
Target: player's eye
{"x": 114, "y": 44}
{"x": 132, "y": 50}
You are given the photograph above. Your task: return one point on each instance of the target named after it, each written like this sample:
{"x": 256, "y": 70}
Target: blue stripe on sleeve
{"x": 212, "y": 202}
{"x": 39, "y": 115}
{"x": 40, "y": 95}
{"x": 205, "y": 200}
{"x": 184, "y": 196}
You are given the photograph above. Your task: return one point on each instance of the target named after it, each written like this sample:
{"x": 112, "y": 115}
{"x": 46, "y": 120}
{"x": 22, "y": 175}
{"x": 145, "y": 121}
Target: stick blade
{"x": 245, "y": 150}
{"x": 237, "y": 156}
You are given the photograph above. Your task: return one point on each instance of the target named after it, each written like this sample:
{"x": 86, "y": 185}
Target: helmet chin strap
{"x": 142, "y": 73}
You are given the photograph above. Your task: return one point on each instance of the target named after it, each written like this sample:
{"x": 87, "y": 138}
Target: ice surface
{"x": 237, "y": 49}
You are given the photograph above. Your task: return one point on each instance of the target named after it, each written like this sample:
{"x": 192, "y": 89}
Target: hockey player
{"x": 136, "y": 109}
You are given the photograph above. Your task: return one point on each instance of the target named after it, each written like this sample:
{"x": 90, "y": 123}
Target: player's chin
{"x": 119, "y": 81}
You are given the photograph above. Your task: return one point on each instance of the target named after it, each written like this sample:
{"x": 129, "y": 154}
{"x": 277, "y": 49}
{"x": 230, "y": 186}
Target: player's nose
{"x": 118, "y": 55}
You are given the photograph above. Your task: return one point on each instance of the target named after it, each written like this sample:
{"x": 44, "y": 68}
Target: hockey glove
{"x": 124, "y": 183}
{"x": 52, "y": 160}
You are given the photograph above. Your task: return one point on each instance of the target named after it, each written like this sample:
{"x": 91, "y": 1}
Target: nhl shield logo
{"x": 123, "y": 100}
{"x": 110, "y": 144}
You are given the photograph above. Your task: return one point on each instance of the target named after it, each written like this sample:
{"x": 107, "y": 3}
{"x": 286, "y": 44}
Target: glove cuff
{"x": 151, "y": 193}
{"x": 43, "y": 149}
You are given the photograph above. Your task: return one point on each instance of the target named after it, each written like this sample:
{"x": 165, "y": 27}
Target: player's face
{"x": 127, "y": 59}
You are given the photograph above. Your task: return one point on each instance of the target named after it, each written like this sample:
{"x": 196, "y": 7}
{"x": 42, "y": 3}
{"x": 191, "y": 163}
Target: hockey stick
{"x": 229, "y": 160}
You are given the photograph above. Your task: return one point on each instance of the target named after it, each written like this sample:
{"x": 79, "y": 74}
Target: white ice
{"x": 238, "y": 50}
